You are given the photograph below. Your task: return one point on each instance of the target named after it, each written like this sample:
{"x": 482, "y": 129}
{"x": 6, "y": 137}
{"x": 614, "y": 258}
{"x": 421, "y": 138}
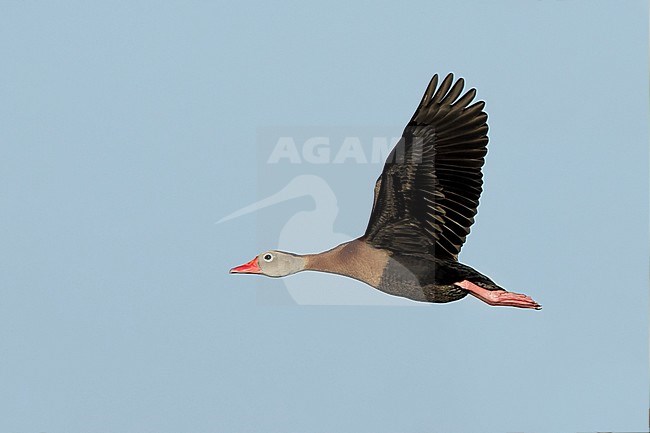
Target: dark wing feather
{"x": 427, "y": 196}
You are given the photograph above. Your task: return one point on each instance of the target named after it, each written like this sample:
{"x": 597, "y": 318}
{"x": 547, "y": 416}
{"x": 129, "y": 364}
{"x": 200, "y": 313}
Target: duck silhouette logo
{"x": 425, "y": 201}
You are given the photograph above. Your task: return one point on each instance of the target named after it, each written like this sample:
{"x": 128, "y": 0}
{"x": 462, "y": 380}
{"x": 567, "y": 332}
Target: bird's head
{"x": 272, "y": 264}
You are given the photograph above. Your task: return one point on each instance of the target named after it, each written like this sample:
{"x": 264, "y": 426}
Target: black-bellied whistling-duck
{"x": 425, "y": 202}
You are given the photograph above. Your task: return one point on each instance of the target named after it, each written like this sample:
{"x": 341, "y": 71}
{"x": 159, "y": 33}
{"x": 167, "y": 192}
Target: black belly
{"x": 427, "y": 279}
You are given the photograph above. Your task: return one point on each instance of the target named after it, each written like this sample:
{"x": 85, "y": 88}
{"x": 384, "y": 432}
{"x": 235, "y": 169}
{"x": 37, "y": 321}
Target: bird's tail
{"x": 480, "y": 280}
{"x": 486, "y": 283}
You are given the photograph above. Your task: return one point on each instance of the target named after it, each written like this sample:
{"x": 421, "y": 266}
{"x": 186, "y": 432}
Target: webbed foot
{"x": 501, "y": 298}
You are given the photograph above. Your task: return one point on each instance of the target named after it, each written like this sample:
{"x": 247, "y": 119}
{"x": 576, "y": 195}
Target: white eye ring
{"x": 268, "y": 257}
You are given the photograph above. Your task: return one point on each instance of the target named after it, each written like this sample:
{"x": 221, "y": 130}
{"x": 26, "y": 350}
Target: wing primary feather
{"x": 444, "y": 88}
{"x": 455, "y": 91}
{"x": 466, "y": 98}
{"x": 429, "y": 92}
{"x": 427, "y": 195}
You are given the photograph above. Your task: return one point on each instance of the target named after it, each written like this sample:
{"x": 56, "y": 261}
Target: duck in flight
{"x": 426, "y": 199}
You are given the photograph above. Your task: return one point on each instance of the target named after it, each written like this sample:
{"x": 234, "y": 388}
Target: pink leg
{"x": 499, "y": 297}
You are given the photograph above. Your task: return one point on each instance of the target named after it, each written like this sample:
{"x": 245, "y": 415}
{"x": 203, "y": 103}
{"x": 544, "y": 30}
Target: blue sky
{"x": 128, "y": 129}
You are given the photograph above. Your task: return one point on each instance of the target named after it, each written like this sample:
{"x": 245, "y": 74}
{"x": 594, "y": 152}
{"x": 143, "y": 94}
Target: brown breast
{"x": 355, "y": 259}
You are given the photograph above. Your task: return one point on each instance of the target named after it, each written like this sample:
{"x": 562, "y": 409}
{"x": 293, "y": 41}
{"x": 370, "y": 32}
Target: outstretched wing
{"x": 428, "y": 193}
